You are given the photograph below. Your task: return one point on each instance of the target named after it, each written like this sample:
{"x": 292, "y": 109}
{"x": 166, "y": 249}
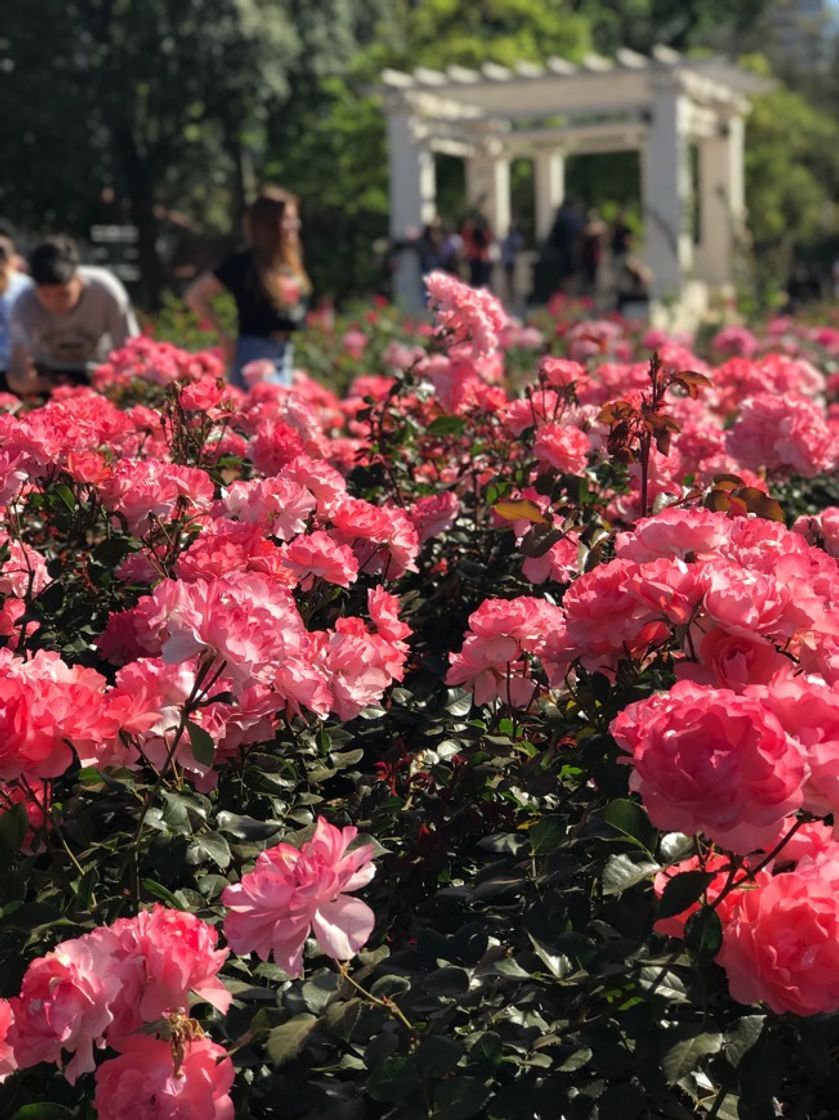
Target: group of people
{"x": 471, "y": 252}
{"x": 60, "y": 318}
{"x": 581, "y": 241}
{"x": 578, "y": 247}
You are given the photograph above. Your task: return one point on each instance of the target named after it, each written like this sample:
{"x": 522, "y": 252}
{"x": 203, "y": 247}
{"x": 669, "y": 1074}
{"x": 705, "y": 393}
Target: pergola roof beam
{"x": 631, "y": 60}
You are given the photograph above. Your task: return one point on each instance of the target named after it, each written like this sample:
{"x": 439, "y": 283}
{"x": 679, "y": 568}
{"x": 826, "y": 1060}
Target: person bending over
{"x": 67, "y": 322}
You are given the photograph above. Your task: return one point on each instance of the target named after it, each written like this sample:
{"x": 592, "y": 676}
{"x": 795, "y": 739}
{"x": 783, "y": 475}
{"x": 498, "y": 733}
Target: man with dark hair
{"x": 68, "y": 322}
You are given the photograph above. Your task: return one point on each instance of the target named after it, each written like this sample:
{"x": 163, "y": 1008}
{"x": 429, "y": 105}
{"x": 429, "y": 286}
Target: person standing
{"x": 13, "y": 283}
{"x": 67, "y": 322}
{"x": 620, "y": 239}
{"x": 511, "y": 247}
{"x": 269, "y": 285}
{"x": 594, "y": 234}
{"x": 565, "y": 240}
{"x": 477, "y": 248}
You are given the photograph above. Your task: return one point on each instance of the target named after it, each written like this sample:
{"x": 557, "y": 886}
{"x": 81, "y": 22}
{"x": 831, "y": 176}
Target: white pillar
{"x": 488, "y": 188}
{"x": 721, "y": 202}
{"x": 412, "y": 201}
{"x": 549, "y": 189}
{"x": 665, "y": 193}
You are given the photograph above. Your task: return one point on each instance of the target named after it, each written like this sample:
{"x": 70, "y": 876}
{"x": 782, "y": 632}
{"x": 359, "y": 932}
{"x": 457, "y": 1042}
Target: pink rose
{"x": 65, "y": 1003}
{"x": 465, "y": 314}
{"x": 293, "y": 892}
{"x": 733, "y": 661}
{"x": 316, "y": 555}
{"x": 675, "y": 532}
{"x": 808, "y": 710}
{"x": 781, "y": 945}
{"x": 606, "y": 619}
{"x": 434, "y": 515}
{"x": 714, "y": 761}
{"x": 783, "y": 433}
{"x": 562, "y": 447}
{"x": 8, "y": 1061}
{"x": 142, "y": 1084}
{"x": 163, "y": 955}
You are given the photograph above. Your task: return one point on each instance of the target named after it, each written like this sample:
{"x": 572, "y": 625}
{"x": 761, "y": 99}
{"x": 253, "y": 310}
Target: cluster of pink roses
{"x": 127, "y": 986}
{"x": 103, "y": 989}
{"x": 780, "y": 923}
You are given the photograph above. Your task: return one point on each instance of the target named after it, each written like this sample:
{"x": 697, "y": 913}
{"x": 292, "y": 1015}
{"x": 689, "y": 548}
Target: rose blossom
{"x": 292, "y": 892}
{"x": 163, "y": 955}
{"x": 466, "y": 314}
{"x": 781, "y": 945}
{"x": 563, "y": 447}
{"x": 714, "y": 761}
{"x": 142, "y": 1083}
{"x": 8, "y": 1061}
{"x": 65, "y": 1003}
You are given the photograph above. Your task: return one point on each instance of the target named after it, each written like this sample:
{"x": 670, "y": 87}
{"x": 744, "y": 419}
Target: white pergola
{"x": 659, "y": 105}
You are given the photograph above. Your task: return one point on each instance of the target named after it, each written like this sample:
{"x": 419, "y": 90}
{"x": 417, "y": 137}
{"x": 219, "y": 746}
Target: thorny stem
{"x": 49, "y": 814}
{"x": 385, "y": 1001}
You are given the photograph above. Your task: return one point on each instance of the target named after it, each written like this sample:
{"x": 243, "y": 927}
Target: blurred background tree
{"x": 168, "y": 115}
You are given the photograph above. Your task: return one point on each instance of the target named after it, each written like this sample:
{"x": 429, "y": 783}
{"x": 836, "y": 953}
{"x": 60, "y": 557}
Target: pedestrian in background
{"x": 13, "y": 282}
{"x": 67, "y": 321}
{"x": 269, "y": 284}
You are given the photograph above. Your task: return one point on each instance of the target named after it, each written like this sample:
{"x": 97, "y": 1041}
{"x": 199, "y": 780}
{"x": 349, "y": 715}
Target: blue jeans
{"x": 253, "y": 348}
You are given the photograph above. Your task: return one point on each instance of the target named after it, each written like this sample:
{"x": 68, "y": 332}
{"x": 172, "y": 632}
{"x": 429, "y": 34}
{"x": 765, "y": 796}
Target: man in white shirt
{"x": 68, "y": 322}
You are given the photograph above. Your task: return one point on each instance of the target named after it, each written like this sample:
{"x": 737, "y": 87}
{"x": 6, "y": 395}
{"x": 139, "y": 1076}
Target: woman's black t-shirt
{"x": 256, "y": 312}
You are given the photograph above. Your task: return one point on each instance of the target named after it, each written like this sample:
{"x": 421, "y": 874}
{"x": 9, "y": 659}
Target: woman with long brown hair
{"x": 267, "y": 280}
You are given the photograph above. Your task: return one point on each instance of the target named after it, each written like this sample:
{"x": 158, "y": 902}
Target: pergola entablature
{"x": 659, "y": 105}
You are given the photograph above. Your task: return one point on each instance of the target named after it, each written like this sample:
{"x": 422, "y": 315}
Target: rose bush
{"x": 462, "y": 744}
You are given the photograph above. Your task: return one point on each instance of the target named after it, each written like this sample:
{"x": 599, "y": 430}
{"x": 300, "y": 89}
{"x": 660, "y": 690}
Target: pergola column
{"x": 488, "y": 189}
{"x": 413, "y": 190}
{"x": 665, "y": 192}
{"x": 722, "y": 202}
{"x": 549, "y": 189}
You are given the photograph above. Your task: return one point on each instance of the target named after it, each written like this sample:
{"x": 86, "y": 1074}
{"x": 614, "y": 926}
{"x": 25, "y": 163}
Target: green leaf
{"x": 488, "y": 1047}
{"x": 66, "y": 494}
{"x": 215, "y": 846}
{"x": 664, "y": 983}
{"x": 630, "y": 819}
{"x": 163, "y": 893}
{"x": 394, "y": 1080}
{"x": 621, "y": 873}
{"x": 742, "y": 1037}
{"x": 43, "y": 1110}
{"x": 446, "y": 426}
{"x": 13, "y": 826}
{"x": 547, "y": 835}
{"x": 438, "y": 1055}
{"x": 243, "y": 827}
{"x": 459, "y": 702}
{"x": 682, "y": 891}
{"x": 703, "y": 933}
{"x": 459, "y": 1098}
{"x": 286, "y": 1041}
{"x": 203, "y": 747}
{"x": 684, "y": 1055}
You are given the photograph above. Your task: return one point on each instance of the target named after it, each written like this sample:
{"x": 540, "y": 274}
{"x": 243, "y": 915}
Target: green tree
{"x": 166, "y": 103}
{"x": 792, "y": 165}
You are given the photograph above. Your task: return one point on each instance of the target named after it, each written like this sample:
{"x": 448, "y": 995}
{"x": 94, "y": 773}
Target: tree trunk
{"x": 136, "y": 173}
